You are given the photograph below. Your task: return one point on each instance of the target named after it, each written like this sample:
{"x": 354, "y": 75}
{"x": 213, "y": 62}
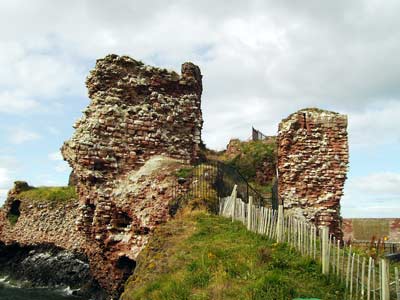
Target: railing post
{"x": 325, "y": 238}
{"x": 384, "y": 280}
{"x": 369, "y": 278}
{"x": 279, "y": 225}
{"x": 233, "y": 199}
{"x": 396, "y": 277}
{"x": 249, "y": 213}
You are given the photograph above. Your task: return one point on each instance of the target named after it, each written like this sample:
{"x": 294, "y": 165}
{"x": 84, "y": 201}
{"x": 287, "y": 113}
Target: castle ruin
{"x": 312, "y": 166}
{"x": 142, "y": 124}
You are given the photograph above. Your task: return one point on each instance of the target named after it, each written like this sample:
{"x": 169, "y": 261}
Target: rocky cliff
{"x": 40, "y": 243}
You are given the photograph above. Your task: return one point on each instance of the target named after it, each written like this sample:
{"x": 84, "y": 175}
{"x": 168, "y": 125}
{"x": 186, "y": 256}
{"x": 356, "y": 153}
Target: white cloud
{"x": 261, "y": 60}
{"x": 8, "y": 166}
{"x": 381, "y": 184}
{"x": 3, "y": 195}
{"x": 62, "y": 167}
{"x": 9, "y": 162}
{"x": 375, "y": 125}
{"x": 5, "y": 183}
{"x": 341, "y": 56}
{"x": 55, "y": 156}
{"x": 53, "y": 130}
{"x": 14, "y": 102}
{"x": 22, "y": 135}
{"x": 5, "y": 177}
{"x": 373, "y": 195}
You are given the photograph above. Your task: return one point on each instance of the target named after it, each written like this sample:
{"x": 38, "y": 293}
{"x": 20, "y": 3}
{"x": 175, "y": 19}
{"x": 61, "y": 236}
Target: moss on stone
{"x": 184, "y": 172}
{"x": 12, "y": 219}
{"x": 45, "y": 193}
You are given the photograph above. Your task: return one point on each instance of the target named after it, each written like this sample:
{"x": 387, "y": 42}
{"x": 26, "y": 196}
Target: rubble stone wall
{"x": 142, "y": 124}
{"x": 43, "y": 223}
{"x": 312, "y": 165}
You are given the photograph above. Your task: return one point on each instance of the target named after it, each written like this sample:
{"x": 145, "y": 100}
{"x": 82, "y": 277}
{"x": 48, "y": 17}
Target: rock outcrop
{"x": 39, "y": 243}
{"x": 312, "y": 165}
{"x": 142, "y": 124}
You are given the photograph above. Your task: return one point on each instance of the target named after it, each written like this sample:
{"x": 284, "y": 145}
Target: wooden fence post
{"x": 351, "y": 275}
{"x": 369, "y": 278}
{"x": 324, "y": 256}
{"x": 363, "y": 279}
{"x": 279, "y": 225}
{"x": 338, "y": 259}
{"x": 384, "y": 280}
{"x": 315, "y": 242}
{"x": 233, "y": 199}
{"x": 357, "y": 276}
{"x": 348, "y": 268}
{"x": 396, "y": 278}
{"x": 249, "y": 212}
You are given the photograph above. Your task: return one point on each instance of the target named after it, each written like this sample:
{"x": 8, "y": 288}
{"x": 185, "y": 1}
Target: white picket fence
{"x": 364, "y": 278}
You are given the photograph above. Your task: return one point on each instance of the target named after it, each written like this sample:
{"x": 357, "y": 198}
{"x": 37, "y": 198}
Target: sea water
{"x": 15, "y": 292}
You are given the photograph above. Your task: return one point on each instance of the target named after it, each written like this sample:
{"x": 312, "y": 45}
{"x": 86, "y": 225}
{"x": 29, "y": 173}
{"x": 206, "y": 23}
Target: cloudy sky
{"x": 261, "y": 61}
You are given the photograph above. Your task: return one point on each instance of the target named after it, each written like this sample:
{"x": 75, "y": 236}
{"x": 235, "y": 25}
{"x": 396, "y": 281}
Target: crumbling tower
{"x": 312, "y": 165}
{"x": 141, "y": 120}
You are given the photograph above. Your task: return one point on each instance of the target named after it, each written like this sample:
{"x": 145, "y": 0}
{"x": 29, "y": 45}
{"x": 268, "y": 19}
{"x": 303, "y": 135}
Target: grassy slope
{"x": 200, "y": 256}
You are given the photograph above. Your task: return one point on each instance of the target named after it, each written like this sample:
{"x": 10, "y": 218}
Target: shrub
{"x": 254, "y": 154}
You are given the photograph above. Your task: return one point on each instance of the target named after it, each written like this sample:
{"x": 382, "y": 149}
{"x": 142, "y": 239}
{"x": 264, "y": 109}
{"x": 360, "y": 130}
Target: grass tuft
{"x": 57, "y": 194}
{"x": 12, "y": 219}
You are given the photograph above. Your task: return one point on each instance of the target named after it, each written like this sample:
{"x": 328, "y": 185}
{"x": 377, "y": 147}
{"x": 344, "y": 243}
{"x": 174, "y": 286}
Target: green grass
{"x": 201, "y": 256}
{"x": 254, "y": 154}
{"x": 12, "y": 219}
{"x": 184, "y": 172}
{"x": 57, "y": 194}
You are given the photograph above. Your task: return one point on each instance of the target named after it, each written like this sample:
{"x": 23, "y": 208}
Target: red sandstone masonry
{"x": 44, "y": 223}
{"x": 312, "y": 165}
{"x": 141, "y": 125}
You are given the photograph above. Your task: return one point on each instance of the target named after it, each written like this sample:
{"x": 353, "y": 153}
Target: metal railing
{"x": 257, "y": 135}
{"x": 214, "y": 180}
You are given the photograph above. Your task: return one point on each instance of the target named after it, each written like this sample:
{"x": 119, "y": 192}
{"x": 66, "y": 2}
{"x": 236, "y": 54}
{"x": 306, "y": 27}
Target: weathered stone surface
{"x": 312, "y": 165}
{"x": 72, "y": 180}
{"x": 41, "y": 222}
{"x": 233, "y": 149}
{"x": 142, "y": 124}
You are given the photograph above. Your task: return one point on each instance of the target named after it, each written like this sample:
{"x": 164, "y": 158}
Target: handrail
{"x": 249, "y": 186}
{"x": 221, "y": 178}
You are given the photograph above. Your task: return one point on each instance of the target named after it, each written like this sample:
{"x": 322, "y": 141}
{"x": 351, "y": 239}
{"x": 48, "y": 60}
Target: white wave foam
{"x": 69, "y": 291}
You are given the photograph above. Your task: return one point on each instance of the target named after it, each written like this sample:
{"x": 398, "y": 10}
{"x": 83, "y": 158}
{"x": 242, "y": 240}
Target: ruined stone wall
{"x": 142, "y": 124}
{"x": 233, "y": 149}
{"x": 312, "y": 165}
{"x": 42, "y": 222}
